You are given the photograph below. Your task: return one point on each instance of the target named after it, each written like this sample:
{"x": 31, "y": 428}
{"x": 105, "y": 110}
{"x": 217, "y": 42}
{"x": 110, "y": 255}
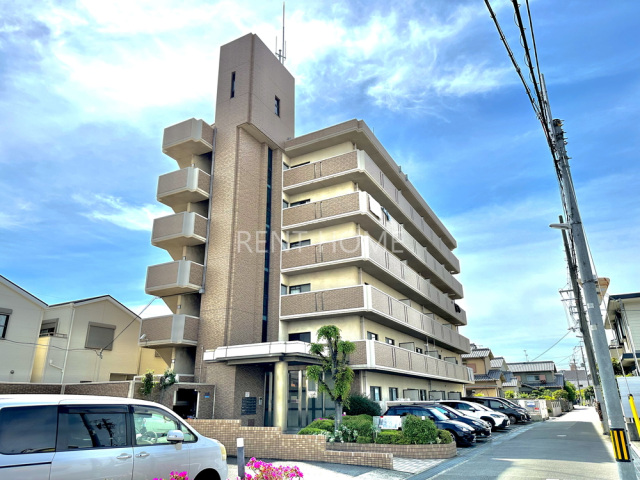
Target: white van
{"x": 77, "y": 437}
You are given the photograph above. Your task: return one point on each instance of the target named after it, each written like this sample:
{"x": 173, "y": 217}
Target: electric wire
{"x": 562, "y": 338}
{"x": 137, "y": 316}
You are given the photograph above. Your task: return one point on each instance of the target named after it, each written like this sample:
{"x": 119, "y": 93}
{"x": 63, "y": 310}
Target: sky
{"x": 87, "y": 87}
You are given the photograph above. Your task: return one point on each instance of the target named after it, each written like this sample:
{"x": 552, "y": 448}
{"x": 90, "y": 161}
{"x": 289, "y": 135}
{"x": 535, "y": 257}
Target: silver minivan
{"x": 77, "y": 437}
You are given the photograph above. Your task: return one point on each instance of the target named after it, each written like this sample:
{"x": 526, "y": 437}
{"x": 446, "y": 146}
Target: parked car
{"x": 480, "y": 427}
{"x": 75, "y": 437}
{"x": 515, "y": 413}
{"x": 495, "y": 419}
{"x": 462, "y": 434}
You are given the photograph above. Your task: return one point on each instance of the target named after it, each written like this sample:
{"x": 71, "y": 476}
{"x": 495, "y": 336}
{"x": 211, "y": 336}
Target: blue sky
{"x": 87, "y": 86}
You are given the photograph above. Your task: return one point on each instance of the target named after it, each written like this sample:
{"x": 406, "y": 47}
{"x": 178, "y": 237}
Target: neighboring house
{"x": 511, "y": 382}
{"x": 89, "y": 340}
{"x": 578, "y": 377}
{"x": 488, "y": 381}
{"x": 622, "y": 319}
{"x": 276, "y": 235}
{"x": 534, "y": 375}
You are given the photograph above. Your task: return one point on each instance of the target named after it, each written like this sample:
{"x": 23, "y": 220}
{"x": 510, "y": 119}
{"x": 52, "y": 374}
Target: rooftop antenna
{"x": 282, "y": 53}
{"x": 526, "y": 356}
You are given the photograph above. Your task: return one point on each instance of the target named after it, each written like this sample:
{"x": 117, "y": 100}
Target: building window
{"x": 393, "y": 393}
{"x": 418, "y": 350}
{"x": 48, "y": 327}
{"x": 277, "y": 106}
{"x": 376, "y": 393}
{"x": 301, "y": 202}
{"x": 451, "y": 360}
{"x": 4, "y": 322}
{"x": 299, "y": 288}
{"x": 100, "y": 337}
{"x": 285, "y": 166}
{"x": 233, "y": 84}
{"x": 283, "y": 289}
{"x": 423, "y": 394}
{"x": 437, "y": 395}
{"x": 285, "y": 204}
{"x": 302, "y": 336}
{"x": 285, "y": 245}
{"x": 390, "y": 341}
{"x": 533, "y": 378}
{"x": 372, "y": 336}
{"x": 301, "y": 243}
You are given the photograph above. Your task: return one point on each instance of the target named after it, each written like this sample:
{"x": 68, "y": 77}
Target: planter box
{"x": 447, "y": 450}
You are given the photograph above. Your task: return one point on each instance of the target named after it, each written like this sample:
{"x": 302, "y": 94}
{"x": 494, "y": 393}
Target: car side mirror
{"x": 175, "y": 436}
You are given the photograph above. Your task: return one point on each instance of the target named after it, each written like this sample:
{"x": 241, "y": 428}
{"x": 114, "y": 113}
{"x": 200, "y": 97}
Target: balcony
{"x": 360, "y": 168}
{"x": 374, "y": 304}
{"x": 169, "y": 331}
{"x": 179, "y": 230}
{"x": 292, "y": 351}
{"x": 183, "y": 186}
{"x": 174, "y": 278}
{"x": 360, "y": 207}
{"x": 191, "y": 137}
{"x": 373, "y": 355}
{"x": 366, "y": 253}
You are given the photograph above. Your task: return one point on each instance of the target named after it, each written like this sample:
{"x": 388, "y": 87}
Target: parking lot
{"x": 404, "y": 468}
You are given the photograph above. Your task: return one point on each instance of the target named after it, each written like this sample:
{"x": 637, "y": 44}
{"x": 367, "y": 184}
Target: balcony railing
{"x": 363, "y": 170}
{"x": 369, "y": 254}
{"x": 363, "y": 208}
{"x": 173, "y": 278}
{"x": 178, "y": 188}
{"x": 181, "y": 229}
{"x": 191, "y": 137}
{"x": 169, "y": 331}
{"x": 372, "y": 303}
{"x": 374, "y": 355}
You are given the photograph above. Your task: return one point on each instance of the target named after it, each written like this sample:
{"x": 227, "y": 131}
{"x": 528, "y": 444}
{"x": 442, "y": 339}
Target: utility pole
{"x": 584, "y": 329}
{"x": 613, "y": 406}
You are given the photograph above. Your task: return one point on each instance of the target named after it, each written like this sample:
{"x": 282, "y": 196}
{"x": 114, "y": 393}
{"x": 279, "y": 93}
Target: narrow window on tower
{"x": 233, "y": 84}
{"x": 277, "y": 106}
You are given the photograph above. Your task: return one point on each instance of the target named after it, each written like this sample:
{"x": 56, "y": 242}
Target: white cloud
{"x": 114, "y": 210}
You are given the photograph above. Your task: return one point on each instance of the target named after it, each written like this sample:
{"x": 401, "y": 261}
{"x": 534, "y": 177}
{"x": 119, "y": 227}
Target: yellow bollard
{"x": 635, "y": 413}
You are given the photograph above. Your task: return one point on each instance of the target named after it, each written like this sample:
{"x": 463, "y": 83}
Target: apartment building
{"x": 622, "y": 319}
{"x": 274, "y": 236}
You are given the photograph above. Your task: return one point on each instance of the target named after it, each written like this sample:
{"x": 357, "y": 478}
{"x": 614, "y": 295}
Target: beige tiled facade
{"x": 289, "y": 234}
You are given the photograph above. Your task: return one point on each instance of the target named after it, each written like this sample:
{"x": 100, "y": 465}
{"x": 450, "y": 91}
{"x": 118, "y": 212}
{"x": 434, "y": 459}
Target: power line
{"x": 561, "y": 338}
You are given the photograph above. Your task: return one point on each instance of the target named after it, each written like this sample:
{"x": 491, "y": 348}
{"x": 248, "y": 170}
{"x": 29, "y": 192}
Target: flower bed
{"x": 443, "y": 450}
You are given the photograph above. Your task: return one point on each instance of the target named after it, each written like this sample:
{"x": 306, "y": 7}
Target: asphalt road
{"x": 567, "y": 447}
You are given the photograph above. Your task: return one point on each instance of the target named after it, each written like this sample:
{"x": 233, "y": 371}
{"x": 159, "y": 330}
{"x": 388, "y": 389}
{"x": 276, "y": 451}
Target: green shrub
{"x": 444, "y": 437}
{"x": 312, "y": 431}
{"x": 418, "y": 431}
{"x": 509, "y": 394}
{"x": 323, "y": 424}
{"x": 361, "y": 404}
{"x": 344, "y": 434}
{"x": 364, "y": 439}
{"x": 362, "y": 423}
{"x": 387, "y": 437}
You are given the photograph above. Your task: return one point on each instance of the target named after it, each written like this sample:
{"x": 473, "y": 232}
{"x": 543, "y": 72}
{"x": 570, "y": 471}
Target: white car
{"x": 495, "y": 419}
{"x": 77, "y": 437}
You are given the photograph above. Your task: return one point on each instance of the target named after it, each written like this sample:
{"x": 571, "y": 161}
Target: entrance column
{"x": 280, "y": 393}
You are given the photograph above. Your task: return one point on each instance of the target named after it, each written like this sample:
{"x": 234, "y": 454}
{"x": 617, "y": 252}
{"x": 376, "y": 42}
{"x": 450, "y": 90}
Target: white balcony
{"x": 191, "y": 137}
{"x": 173, "y": 278}
{"x": 183, "y": 186}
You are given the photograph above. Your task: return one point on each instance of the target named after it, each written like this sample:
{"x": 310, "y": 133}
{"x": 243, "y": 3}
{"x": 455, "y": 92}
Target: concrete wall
{"x": 23, "y": 327}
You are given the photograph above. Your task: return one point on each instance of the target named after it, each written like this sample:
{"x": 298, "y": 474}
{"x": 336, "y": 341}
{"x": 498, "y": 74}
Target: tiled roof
{"x": 495, "y": 374}
{"x": 533, "y": 367}
{"x": 477, "y": 353}
{"x": 497, "y": 362}
{"x": 482, "y": 377}
{"x": 510, "y": 383}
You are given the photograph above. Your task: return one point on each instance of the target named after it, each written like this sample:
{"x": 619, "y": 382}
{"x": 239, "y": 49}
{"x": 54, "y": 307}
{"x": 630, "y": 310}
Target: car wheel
{"x": 456, "y": 440}
{"x": 490, "y": 421}
{"x": 513, "y": 419}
